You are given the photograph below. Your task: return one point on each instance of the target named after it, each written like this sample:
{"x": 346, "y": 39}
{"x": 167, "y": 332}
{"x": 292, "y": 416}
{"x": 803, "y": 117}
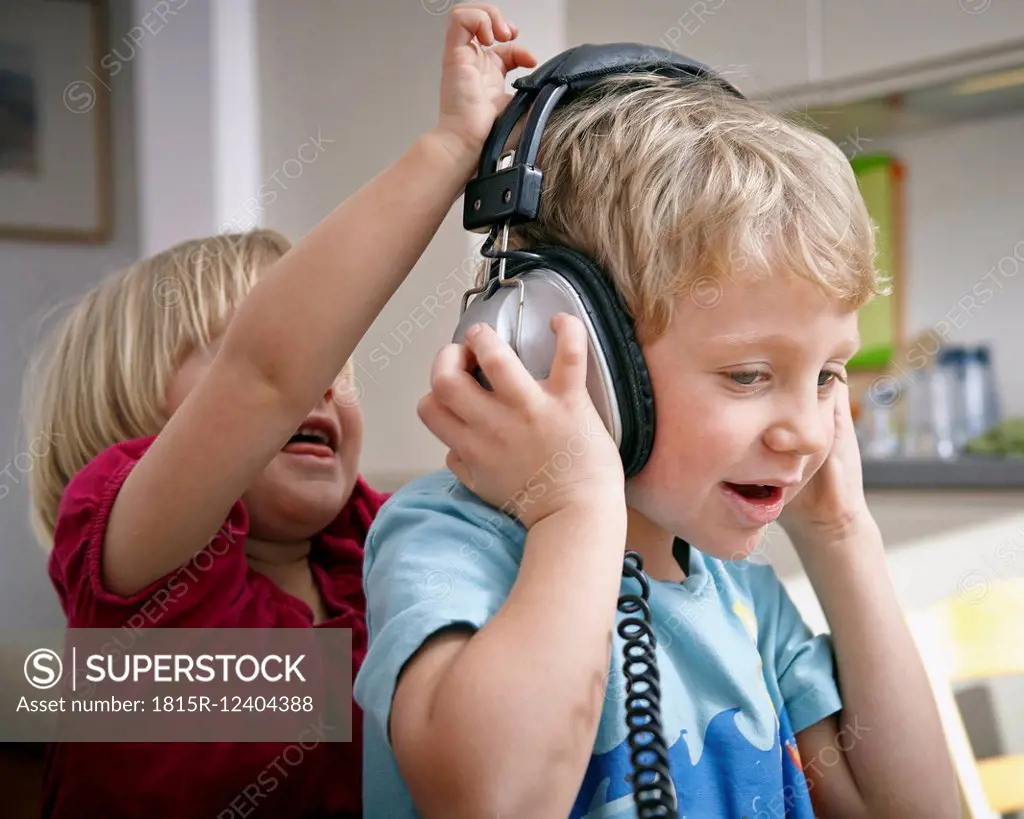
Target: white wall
{"x": 33, "y": 277}
{"x": 197, "y": 129}
{"x": 174, "y": 117}
{"x": 760, "y": 45}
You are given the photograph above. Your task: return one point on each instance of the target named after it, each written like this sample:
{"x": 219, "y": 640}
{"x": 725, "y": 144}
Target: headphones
{"x": 526, "y": 288}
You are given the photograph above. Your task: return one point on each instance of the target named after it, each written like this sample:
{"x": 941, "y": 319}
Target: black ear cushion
{"x": 617, "y": 339}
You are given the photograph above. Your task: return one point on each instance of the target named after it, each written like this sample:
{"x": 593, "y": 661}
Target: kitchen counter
{"x": 959, "y": 473}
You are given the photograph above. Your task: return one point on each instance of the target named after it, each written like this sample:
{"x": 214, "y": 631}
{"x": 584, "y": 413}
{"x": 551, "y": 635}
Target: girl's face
{"x": 306, "y": 484}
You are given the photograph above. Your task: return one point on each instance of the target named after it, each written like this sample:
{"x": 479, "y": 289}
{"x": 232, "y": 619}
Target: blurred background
{"x": 127, "y": 126}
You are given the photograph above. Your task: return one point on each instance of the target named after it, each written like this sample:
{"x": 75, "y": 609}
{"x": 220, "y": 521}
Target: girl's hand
{"x": 529, "y": 447}
{"x": 832, "y": 503}
{"x": 479, "y": 51}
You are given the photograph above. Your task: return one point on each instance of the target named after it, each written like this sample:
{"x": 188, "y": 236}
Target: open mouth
{"x": 311, "y": 439}
{"x": 756, "y": 493}
{"x": 755, "y": 504}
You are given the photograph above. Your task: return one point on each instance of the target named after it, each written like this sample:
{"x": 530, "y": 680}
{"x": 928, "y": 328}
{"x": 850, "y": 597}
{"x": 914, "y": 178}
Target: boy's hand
{"x": 473, "y": 76}
{"x": 832, "y": 503}
{"x": 529, "y": 447}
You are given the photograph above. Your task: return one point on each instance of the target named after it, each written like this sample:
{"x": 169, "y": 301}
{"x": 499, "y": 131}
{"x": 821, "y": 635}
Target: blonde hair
{"x": 668, "y": 186}
{"x": 101, "y": 375}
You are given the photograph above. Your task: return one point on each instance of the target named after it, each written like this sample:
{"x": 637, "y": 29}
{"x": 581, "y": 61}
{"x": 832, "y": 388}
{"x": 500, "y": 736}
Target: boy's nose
{"x": 801, "y": 429}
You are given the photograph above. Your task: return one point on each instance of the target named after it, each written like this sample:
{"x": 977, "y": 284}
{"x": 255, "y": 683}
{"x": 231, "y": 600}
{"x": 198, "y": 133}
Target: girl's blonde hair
{"x": 102, "y": 373}
{"x": 676, "y": 188}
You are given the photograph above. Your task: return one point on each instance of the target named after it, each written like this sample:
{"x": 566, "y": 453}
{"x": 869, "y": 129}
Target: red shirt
{"x": 220, "y": 590}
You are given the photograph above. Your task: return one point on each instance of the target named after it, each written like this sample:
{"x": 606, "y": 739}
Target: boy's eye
{"x": 746, "y": 378}
{"x": 826, "y": 378}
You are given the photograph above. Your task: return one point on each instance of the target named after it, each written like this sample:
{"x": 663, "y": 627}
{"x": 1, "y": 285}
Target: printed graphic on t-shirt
{"x": 739, "y": 759}
{"x": 729, "y": 780}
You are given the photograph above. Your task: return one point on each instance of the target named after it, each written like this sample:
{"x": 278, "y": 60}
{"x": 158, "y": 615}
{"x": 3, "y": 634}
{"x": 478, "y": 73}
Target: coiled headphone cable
{"x": 653, "y": 790}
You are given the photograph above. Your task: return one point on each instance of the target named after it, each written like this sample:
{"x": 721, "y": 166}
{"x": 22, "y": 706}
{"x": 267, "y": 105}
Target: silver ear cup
{"x": 545, "y": 295}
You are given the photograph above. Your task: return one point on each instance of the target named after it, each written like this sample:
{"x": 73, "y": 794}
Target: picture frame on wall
{"x": 56, "y": 180}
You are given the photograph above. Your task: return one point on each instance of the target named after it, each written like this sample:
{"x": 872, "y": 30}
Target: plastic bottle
{"x": 992, "y": 414}
{"x": 975, "y": 398}
{"x": 946, "y": 393}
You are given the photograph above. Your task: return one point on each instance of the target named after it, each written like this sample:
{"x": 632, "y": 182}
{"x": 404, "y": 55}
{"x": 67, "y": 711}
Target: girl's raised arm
{"x": 293, "y": 334}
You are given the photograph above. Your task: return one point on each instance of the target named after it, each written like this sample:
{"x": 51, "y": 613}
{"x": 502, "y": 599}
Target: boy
{"x": 493, "y": 683}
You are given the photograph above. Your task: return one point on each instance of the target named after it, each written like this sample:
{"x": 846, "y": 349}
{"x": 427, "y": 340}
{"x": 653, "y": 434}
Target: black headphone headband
{"x": 513, "y": 194}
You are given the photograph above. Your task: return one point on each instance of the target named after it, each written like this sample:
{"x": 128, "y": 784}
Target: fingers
{"x": 444, "y": 424}
{"x": 569, "y": 369}
{"x": 505, "y": 372}
{"x": 513, "y": 56}
{"x": 480, "y": 20}
{"x": 454, "y": 388}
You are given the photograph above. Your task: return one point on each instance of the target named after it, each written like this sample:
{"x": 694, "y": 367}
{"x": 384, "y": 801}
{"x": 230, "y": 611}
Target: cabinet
{"x": 772, "y": 46}
{"x": 872, "y": 36}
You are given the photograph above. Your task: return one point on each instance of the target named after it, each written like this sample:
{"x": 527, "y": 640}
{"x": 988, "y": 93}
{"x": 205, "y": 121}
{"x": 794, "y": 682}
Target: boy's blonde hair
{"x": 101, "y": 376}
{"x": 673, "y": 188}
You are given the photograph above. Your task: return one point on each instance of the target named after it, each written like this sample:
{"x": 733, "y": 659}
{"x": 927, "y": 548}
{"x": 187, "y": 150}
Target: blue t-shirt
{"x": 740, "y": 671}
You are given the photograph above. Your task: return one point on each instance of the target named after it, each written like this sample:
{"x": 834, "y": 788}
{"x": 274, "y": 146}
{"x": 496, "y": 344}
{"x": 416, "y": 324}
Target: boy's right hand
{"x": 473, "y": 76}
{"x": 529, "y": 447}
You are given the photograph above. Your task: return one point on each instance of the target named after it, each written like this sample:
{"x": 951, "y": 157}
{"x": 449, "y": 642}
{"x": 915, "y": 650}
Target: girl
{"x": 197, "y": 405}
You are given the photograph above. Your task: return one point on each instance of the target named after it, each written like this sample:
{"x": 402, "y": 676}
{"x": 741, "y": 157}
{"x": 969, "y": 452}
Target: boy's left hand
{"x": 832, "y": 503}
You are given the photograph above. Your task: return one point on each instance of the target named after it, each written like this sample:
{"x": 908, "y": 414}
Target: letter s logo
{"x": 39, "y": 668}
